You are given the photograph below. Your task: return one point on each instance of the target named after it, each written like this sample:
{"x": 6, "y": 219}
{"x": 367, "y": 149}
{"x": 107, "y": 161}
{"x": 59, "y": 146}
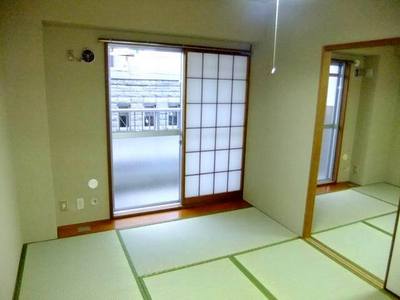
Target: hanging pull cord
{"x": 273, "y": 70}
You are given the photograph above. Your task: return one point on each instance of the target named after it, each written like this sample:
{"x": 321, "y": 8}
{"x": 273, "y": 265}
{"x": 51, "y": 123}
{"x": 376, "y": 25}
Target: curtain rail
{"x": 177, "y": 46}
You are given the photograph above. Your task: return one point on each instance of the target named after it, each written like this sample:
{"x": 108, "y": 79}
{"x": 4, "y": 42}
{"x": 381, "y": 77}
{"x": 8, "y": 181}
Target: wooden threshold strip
{"x": 346, "y": 263}
{"x": 151, "y": 218}
{"x": 334, "y": 187}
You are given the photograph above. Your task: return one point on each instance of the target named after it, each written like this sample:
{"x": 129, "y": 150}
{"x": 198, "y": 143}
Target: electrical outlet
{"x": 63, "y": 205}
{"x": 80, "y": 203}
{"x": 94, "y": 201}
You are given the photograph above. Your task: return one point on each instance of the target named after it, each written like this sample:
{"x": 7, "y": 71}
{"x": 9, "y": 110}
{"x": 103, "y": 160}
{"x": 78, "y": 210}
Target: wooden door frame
{"x": 319, "y": 120}
{"x": 320, "y": 115}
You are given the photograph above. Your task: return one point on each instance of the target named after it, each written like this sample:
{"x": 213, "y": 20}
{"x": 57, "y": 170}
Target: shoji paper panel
{"x": 215, "y": 118}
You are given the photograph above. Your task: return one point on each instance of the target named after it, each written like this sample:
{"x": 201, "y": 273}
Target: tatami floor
{"x": 358, "y": 223}
{"x": 241, "y": 254}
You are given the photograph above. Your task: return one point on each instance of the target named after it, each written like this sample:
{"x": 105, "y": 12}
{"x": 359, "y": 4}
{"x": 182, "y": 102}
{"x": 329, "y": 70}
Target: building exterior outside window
{"x": 144, "y": 96}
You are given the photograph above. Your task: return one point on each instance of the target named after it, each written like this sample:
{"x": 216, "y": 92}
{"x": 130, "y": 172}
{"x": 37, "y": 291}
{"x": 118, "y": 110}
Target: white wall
{"x": 236, "y": 20}
{"x": 393, "y": 164}
{"x": 282, "y": 107}
{"x": 375, "y": 147}
{"x": 25, "y": 81}
{"x": 10, "y": 230}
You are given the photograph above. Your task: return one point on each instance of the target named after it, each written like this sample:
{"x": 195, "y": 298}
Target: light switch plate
{"x": 80, "y": 203}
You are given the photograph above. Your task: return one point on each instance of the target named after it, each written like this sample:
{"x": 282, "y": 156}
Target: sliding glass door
{"x": 330, "y": 150}
{"x": 145, "y": 96}
{"x": 176, "y": 126}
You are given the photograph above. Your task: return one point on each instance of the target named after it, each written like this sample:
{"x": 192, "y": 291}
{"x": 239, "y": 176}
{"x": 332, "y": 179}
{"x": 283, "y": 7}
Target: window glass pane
{"x": 239, "y": 91}
{"x": 208, "y": 115}
{"x": 237, "y": 137}
{"x": 235, "y": 159}
{"x": 225, "y": 66}
{"x": 191, "y": 186}
{"x": 194, "y": 66}
{"x": 334, "y": 69}
{"x": 209, "y": 90}
{"x": 192, "y": 139}
{"x": 206, "y": 184}
{"x": 192, "y": 163}
{"x": 234, "y": 181}
{"x": 221, "y": 160}
{"x": 207, "y": 162}
{"x": 208, "y": 139}
{"x": 222, "y": 138}
{"x": 194, "y": 90}
{"x": 224, "y": 115}
{"x": 193, "y": 115}
{"x": 224, "y": 91}
{"x": 331, "y": 100}
{"x": 237, "y": 115}
{"x": 220, "y": 182}
{"x": 331, "y": 123}
{"x": 326, "y": 163}
{"x": 240, "y": 67}
{"x": 210, "y": 65}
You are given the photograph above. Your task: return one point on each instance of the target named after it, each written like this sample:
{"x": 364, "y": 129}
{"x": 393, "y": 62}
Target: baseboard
{"x": 229, "y": 196}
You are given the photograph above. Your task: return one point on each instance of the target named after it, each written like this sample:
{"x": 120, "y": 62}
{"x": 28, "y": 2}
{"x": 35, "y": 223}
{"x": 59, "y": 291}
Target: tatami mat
{"x": 345, "y": 207}
{"x": 384, "y": 191}
{"x": 170, "y": 245}
{"x": 365, "y": 246}
{"x": 86, "y": 267}
{"x": 295, "y": 270}
{"x": 219, "y": 279}
{"x": 385, "y": 223}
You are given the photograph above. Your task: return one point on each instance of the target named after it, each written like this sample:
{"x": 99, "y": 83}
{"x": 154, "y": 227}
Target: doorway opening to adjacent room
{"x": 334, "y": 121}
{"x": 356, "y": 225}
{"x": 145, "y": 87}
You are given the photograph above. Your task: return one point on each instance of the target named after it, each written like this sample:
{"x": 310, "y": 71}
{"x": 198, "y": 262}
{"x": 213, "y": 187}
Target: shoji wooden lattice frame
{"x": 215, "y": 150}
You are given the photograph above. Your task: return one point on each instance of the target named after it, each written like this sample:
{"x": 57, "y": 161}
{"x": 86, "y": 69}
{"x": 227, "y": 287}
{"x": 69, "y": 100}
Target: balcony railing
{"x": 145, "y": 119}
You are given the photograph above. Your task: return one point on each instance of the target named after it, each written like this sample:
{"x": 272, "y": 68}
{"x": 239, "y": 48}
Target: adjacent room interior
{"x": 199, "y": 149}
{"x": 358, "y": 178}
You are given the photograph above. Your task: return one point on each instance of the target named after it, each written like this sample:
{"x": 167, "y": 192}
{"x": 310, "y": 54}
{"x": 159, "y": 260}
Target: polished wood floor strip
{"x": 335, "y": 187}
{"x": 151, "y": 218}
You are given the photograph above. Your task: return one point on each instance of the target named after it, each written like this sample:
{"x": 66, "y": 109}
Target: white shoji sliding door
{"x": 216, "y": 86}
